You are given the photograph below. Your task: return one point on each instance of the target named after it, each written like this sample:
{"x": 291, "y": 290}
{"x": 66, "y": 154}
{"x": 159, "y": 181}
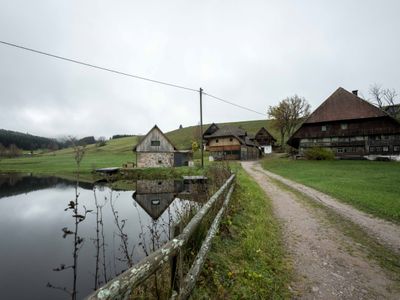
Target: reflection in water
{"x": 121, "y": 229}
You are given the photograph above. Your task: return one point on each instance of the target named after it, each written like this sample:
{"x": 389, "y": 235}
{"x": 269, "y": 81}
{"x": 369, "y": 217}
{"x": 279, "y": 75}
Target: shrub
{"x": 318, "y": 153}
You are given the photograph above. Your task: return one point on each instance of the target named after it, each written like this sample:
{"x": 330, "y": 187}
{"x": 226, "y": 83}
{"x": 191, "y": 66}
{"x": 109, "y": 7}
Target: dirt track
{"x": 327, "y": 264}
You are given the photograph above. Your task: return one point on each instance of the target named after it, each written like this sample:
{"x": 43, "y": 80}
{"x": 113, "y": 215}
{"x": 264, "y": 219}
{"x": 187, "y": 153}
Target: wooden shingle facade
{"x": 349, "y": 126}
{"x": 230, "y": 143}
{"x": 265, "y": 140}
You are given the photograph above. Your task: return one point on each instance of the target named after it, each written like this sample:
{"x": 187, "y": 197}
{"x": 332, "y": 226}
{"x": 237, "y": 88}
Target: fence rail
{"x": 121, "y": 286}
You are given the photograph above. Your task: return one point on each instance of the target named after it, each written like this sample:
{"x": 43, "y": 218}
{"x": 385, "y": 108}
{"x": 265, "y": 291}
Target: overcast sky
{"x": 254, "y": 53}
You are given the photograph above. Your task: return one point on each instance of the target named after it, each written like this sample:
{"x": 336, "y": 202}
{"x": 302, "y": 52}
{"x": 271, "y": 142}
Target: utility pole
{"x": 201, "y": 127}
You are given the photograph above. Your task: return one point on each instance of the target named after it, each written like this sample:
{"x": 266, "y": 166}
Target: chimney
{"x": 355, "y": 92}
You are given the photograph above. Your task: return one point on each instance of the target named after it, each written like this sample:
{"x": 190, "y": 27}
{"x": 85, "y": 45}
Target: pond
{"x": 114, "y": 230}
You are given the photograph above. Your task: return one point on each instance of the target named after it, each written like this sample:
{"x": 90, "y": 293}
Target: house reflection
{"x": 155, "y": 196}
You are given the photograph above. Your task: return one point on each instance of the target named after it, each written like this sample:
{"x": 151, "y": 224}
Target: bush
{"x": 318, "y": 153}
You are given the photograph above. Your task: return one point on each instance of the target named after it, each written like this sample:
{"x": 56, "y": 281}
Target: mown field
{"x": 247, "y": 259}
{"x": 371, "y": 186}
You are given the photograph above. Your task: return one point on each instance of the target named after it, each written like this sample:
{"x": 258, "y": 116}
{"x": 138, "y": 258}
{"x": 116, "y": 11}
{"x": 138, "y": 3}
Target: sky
{"x": 253, "y": 53}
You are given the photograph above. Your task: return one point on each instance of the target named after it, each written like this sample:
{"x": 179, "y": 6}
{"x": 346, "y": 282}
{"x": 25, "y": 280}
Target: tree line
{"x": 13, "y": 142}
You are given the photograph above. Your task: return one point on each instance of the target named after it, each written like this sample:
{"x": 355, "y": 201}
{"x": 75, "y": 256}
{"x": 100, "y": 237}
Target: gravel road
{"x": 327, "y": 264}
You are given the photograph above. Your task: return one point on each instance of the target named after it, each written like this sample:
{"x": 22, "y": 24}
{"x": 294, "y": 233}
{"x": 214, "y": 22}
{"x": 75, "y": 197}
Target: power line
{"x": 126, "y": 74}
{"x": 234, "y": 104}
{"x": 98, "y": 67}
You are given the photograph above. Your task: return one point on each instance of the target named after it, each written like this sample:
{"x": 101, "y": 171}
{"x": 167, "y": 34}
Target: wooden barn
{"x": 230, "y": 143}
{"x": 156, "y": 150}
{"x": 351, "y": 127}
{"x": 265, "y": 140}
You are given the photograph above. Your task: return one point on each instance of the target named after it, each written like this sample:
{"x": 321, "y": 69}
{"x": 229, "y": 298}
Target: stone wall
{"x": 155, "y": 159}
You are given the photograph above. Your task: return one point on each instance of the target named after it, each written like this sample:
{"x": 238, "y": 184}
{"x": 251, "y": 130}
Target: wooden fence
{"x": 121, "y": 286}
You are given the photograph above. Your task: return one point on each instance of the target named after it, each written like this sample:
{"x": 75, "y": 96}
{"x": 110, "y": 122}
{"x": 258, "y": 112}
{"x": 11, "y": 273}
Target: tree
{"x": 288, "y": 115}
{"x": 385, "y": 99}
{"x": 195, "y": 146}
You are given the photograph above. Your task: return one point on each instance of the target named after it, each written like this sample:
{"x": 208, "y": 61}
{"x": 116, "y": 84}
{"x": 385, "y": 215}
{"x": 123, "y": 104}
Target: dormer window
{"x": 323, "y": 128}
{"x": 155, "y": 143}
{"x": 343, "y": 126}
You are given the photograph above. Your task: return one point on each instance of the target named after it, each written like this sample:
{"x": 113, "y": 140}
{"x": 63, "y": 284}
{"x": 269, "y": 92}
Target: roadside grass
{"x": 247, "y": 259}
{"x": 371, "y": 186}
{"x": 385, "y": 257}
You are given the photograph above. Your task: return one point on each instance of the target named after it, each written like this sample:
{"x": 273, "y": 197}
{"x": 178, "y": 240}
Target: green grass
{"x": 373, "y": 187}
{"x": 247, "y": 259}
{"x": 115, "y": 153}
{"x": 182, "y": 138}
{"x": 387, "y": 259}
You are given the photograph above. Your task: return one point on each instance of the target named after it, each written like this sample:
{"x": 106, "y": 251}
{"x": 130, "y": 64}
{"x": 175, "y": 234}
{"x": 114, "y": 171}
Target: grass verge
{"x": 371, "y": 186}
{"x": 247, "y": 260}
{"x": 385, "y": 257}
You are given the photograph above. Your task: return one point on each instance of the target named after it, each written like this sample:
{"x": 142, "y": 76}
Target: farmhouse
{"x": 265, "y": 140}
{"x": 230, "y": 143}
{"x": 351, "y": 127}
{"x": 155, "y": 150}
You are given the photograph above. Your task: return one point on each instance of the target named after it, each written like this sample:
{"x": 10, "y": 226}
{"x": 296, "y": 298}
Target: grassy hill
{"x": 182, "y": 137}
{"x": 113, "y": 154}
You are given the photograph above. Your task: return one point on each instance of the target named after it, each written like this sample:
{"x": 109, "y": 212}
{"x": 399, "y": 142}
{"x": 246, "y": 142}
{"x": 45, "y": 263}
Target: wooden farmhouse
{"x": 351, "y": 127}
{"x": 230, "y": 143}
{"x": 155, "y": 150}
{"x": 265, "y": 140}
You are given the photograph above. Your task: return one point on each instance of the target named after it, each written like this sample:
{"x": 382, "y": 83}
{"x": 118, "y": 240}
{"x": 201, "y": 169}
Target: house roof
{"x": 343, "y": 105}
{"x": 263, "y": 129}
{"x": 144, "y": 137}
{"x": 227, "y": 131}
{"x": 340, "y": 106}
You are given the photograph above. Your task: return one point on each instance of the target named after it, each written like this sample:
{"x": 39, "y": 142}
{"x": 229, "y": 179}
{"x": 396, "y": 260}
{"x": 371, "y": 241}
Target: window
{"x": 160, "y": 161}
{"x": 339, "y": 150}
{"x": 216, "y": 141}
{"x": 155, "y": 143}
{"x": 343, "y": 126}
{"x": 378, "y": 149}
{"x": 396, "y": 148}
{"x": 371, "y": 149}
{"x": 385, "y": 148}
{"x": 231, "y": 139}
{"x": 323, "y": 128}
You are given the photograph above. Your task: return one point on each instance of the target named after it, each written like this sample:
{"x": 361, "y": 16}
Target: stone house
{"x": 156, "y": 150}
{"x": 350, "y": 127}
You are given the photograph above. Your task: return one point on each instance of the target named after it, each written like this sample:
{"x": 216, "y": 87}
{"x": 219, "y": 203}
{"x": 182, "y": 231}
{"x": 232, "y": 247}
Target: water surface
{"x": 37, "y": 231}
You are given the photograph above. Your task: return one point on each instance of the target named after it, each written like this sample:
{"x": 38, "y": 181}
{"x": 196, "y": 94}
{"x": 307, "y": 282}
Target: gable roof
{"x": 343, "y": 105}
{"x": 155, "y": 127}
{"x": 263, "y": 129}
{"x": 227, "y": 131}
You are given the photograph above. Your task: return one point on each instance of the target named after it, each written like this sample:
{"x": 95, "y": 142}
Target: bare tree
{"x": 375, "y": 91}
{"x": 288, "y": 115}
{"x": 385, "y": 99}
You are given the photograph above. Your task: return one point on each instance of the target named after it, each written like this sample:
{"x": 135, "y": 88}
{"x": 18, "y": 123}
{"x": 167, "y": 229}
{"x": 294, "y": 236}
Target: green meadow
{"x": 113, "y": 154}
{"x": 371, "y": 186}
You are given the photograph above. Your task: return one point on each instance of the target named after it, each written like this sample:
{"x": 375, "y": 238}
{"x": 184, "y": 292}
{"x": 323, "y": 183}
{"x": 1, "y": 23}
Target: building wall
{"x": 388, "y": 144}
{"x": 155, "y": 186}
{"x": 155, "y": 135}
{"x": 224, "y": 141}
{"x": 155, "y": 159}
